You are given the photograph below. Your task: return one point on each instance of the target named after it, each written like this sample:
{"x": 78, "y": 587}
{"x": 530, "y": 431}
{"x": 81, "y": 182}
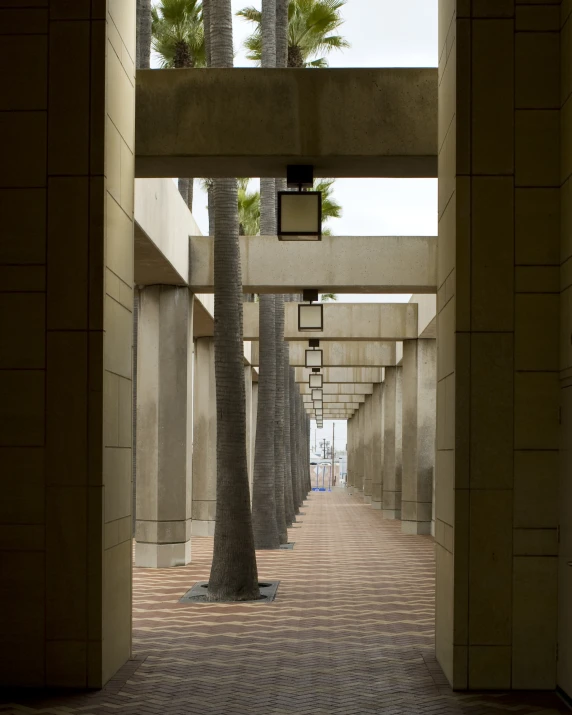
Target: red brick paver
{"x": 351, "y": 632}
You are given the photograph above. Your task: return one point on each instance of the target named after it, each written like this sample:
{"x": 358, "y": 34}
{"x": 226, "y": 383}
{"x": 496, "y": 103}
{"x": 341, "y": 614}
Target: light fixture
{"x": 299, "y": 212}
{"x": 317, "y": 394}
{"x": 318, "y": 404}
{"x": 310, "y": 317}
{"x": 313, "y": 357}
{"x": 316, "y": 380}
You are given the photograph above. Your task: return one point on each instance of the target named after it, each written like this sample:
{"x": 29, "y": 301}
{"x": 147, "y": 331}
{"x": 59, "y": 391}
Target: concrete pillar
{"x": 253, "y": 430}
{"x": 66, "y": 259}
{"x": 398, "y": 436}
{"x": 503, "y": 182}
{"x": 418, "y": 431}
{"x": 204, "y": 440}
{"x": 249, "y": 419}
{"x": 368, "y": 449}
{"x": 377, "y": 446}
{"x": 360, "y": 461}
{"x": 164, "y": 427}
{"x": 391, "y": 496}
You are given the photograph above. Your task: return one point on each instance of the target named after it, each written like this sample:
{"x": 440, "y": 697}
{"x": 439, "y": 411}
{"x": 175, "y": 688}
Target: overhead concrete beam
{"x": 339, "y": 389}
{"x": 426, "y": 315}
{"x": 254, "y": 122}
{"x": 163, "y": 223}
{"x": 337, "y": 399}
{"x": 342, "y": 374}
{"x": 341, "y": 354}
{"x": 345, "y": 321}
{"x": 336, "y": 264}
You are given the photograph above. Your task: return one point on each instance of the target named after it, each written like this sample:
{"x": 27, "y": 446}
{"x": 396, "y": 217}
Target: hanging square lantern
{"x": 316, "y": 380}
{"x": 317, "y": 394}
{"x": 314, "y": 358}
{"x": 300, "y": 215}
{"x": 310, "y": 317}
{"x": 299, "y": 212}
{"x": 318, "y": 404}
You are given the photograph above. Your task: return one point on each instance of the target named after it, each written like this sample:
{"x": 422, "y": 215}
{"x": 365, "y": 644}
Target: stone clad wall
{"x": 66, "y": 263}
{"x": 498, "y": 326}
{"x": 565, "y": 497}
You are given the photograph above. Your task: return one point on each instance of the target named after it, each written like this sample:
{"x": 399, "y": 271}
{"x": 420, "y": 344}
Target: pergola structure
{"x": 468, "y": 422}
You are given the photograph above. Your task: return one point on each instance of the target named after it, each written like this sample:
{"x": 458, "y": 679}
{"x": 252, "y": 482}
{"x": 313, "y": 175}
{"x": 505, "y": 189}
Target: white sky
{"x": 382, "y": 33}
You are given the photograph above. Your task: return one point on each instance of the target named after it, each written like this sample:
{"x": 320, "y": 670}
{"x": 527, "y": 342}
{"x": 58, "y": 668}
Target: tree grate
{"x": 198, "y": 593}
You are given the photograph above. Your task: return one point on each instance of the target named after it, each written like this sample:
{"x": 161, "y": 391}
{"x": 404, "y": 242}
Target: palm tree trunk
{"x": 264, "y": 506}
{"x": 234, "y": 575}
{"x": 143, "y": 44}
{"x": 264, "y": 511}
{"x": 288, "y": 492}
{"x": 186, "y": 190}
{"x": 268, "y": 31}
{"x": 210, "y": 195}
{"x": 263, "y": 489}
{"x": 282, "y": 33}
{"x": 279, "y": 422}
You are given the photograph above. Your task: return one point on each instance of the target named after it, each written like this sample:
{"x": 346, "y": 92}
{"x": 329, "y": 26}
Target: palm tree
{"x": 143, "y": 39}
{"x": 310, "y": 27}
{"x": 179, "y": 41}
{"x": 234, "y": 575}
{"x": 328, "y": 296}
{"x": 265, "y": 504}
{"x": 248, "y": 209}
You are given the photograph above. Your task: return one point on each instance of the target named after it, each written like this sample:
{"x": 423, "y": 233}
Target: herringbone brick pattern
{"x": 351, "y": 632}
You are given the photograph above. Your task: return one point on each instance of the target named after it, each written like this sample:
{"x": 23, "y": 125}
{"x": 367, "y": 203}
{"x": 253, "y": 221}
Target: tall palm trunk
{"x": 288, "y": 492}
{"x": 282, "y": 33}
{"x": 264, "y": 508}
{"x": 279, "y": 422}
{"x": 234, "y": 575}
{"x": 143, "y": 40}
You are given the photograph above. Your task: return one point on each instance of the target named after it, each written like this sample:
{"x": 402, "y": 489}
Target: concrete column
{"x": 505, "y": 178}
{"x": 377, "y": 445}
{"x": 398, "y": 436}
{"x": 164, "y": 427}
{"x": 204, "y": 440}
{"x": 360, "y": 461}
{"x": 368, "y": 449}
{"x": 66, "y": 301}
{"x": 391, "y": 497}
{"x": 419, "y": 418}
{"x": 349, "y": 476}
{"x": 250, "y": 416}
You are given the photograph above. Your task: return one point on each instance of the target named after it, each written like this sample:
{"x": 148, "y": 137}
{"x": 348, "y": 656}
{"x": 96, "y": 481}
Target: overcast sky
{"x": 382, "y": 33}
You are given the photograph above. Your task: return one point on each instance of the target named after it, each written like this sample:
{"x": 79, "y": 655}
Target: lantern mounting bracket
{"x": 299, "y": 176}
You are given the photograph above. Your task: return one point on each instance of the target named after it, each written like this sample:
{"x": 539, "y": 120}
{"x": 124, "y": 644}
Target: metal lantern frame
{"x": 317, "y": 394}
{"x": 316, "y": 380}
{"x": 318, "y": 355}
{"x": 300, "y": 177}
{"x": 315, "y": 328}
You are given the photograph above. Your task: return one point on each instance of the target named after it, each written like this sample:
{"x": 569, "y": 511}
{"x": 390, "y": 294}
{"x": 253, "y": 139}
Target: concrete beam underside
{"x": 290, "y": 117}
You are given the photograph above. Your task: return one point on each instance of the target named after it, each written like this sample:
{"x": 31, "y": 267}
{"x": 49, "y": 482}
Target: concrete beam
{"x": 343, "y": 354}
{"x": 163, "y": 223}
{"x": 346, "y": 321}
{"x": 336, "y": 264}
{"x": 339, "y": 389}
{"x": 253, "y": 122}
{"x": 343, "y": 374}
{"x": 337, "y": 399}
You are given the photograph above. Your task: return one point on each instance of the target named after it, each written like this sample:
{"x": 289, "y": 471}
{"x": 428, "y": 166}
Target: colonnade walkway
{"x": 351, "y": 631}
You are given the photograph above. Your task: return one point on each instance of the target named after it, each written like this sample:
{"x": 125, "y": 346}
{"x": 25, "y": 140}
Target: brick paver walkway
{"x": 351, "y": 632}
